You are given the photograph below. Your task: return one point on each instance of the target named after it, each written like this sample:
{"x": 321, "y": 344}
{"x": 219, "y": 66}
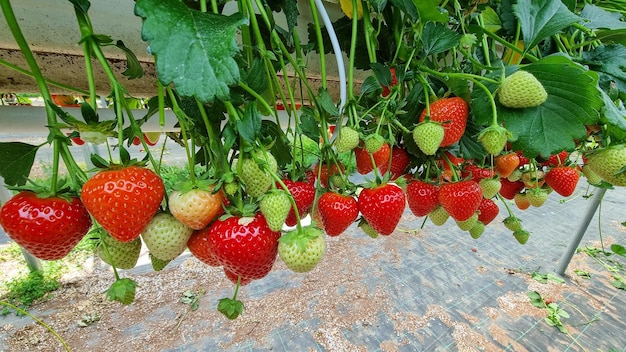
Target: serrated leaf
{"x": 193, "y": 50}
{"x": 249, "y": 125}
{"x": 541, "y": 19}
{"x": 610, "y": 62}
{"x": 133, "y": 67}
{"x": 437, "y": 38}
{"x": 429, "y": 10}
{"x": 573, "y": 102}
{"x": 408, "y": 7}
{"x": 326, "y": 102}
{"x": 16, "y": 161}
{"x": 256, "y": 77}
{"x": 597, "y": 17}
{"x": 612, "y": 36}
{"x": 231, "y": 308}
{"x": 280, "y": 148}
{"x": 123, "y": 291}
{"x": 378, "y": 5}
{"x": 308, "y": 123}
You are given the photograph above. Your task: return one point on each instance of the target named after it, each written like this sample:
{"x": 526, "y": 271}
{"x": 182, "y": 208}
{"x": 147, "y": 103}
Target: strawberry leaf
{"x": 573, "y": 102}
{"x": 16, "y": 160}
{"x": 123, "y": 291}
{"x": 193, "y": 49}
{"x": 437, "y": 38}
{"x": 231, "y": 308}
{"x": 540, "y": 19}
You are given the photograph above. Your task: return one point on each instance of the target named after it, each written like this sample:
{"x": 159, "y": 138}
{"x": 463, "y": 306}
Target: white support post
{"x": 582, "y": 228}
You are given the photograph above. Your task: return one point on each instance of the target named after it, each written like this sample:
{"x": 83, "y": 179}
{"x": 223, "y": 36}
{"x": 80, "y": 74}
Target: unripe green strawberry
{"x": 521, "y": 236}
{"x": 122, "y": 255}
{"x": 521, "y": 90}
{"x": 493, "y": 139}
{"x": 157, "y": 264}
{"x": 537, "y": 196}
{"x": 490, "y": 187}
{"x": 609, "y": 163}
{"x": 165, "y": 236}
{"x": 275, "y": 206}
{"x": 428, "y": 136}
{"x": 373, "y": 143}
{"x": 337, "y": 181}
{"x": 301, "y": 250}
{"x": 231, "y": 188}
{"x": 439, "y": 216}
{"x": 466, "y": 225}
{"x": 477, "y": 230}
{"x": 516, "y": 175}
{"x": 257, "y": 178}
{"x": 347, "y": 139}
{"x": 513, "y": 223}
{"x": 592, "y": 177}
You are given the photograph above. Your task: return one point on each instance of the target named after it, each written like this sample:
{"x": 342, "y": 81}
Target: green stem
{"x": 510, "y": 46}
{"x": 183, "y": 120}
{"x": 216, "y": 147}
{"x": 369, "y": 30}
{"x": 320, "y": 41}
{"x": 39, "y": 321}
{"x": 355, "y": 27}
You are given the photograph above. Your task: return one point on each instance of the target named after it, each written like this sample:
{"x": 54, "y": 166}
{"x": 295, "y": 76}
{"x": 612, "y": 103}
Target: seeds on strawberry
{"x": 563, "y": 180}
{"x": 505, "y": 164}
{"x": 452, "y": 113}
{"x": 460, "y": 199}
{"x": 428, "y": 136}
{"x": 338, "y": 212}
{"x": 521, "y": 90}
{"x": 490, "y": 187}
{"x": 521, "y": 201}
{"x": 196, "y": 207}
{"x": 400, "y": 160}
{"x": 609, "y": 163}
{"x": 493, "y": 139}
{"x": 275, "y": 206}
{"x": 422, "y": 197}
{"x": 257, "y": 177}
{"x": 537, "y": 196}
{"x": 347, "y": 139}
{"x": 122, "y": 255}
{"x": 165, "y": 236}
{"x": 521, "y": 236}
{"x": 373, "y": 143}
{"x": 364, "y": 162}
{"x": 512, "y": 223}
{"x": 466, "y": 225}
{"x": 477, "y": 230}
{"x": 382, "y": 207}
{"x": 303, "y": 194}
{"x": 439, "y": 216}
{"x": 487, "y": 211}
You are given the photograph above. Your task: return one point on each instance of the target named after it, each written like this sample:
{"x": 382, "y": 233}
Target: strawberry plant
{"x": 455, "y": 108}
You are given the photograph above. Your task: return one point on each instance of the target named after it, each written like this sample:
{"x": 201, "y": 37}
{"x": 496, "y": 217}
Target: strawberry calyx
{"x": 122, "y": 290}
{"x": 301, "y": 237}
{"x": 103, "y": 164}
{"x": 231, "y": 307}
{"x": 62, "y": 190}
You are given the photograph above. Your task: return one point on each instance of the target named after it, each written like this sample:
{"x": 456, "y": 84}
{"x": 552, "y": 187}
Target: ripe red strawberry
{"x": 487, "y": 211}
{"x": 48, "y": 228}
{"x": 245, "y": 246}
{"x": 563, "y": 180}
{"x": 558, "y": 159}
{"x": 460, "y": 199}
{"x": 422, "y": 197}
{"x": 509, "y": 189}
{"x": 505, "y": 164}
{"x": 304, "y": 195}
{"x": 452, "y": 114}
{"x": 476, "y": 172}
{"x": 243, "y": 281}
{"x": 199, "y": 246}
{"x": 399, "y": 162}
{"x": 382, "y": 207}
{"x": 364, "y": 162}
{"x": 123, "y": 200}
{"x": 196, "y": 207}
{"x": 338, "y": 212}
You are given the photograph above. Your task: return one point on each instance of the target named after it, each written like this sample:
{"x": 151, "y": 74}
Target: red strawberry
{"x": 523, "y": 160}
{"x": 452, "y": 113}
{"x": 487, "y": 211}
{"x": 364, "y": 161}
{"x": 123, "y": 200}
{"x": 338, "y": 212}
{"x": 558, "y": 159}
{"x": 234, "y": 278}
{"x": 48, "y": 228}
{"x": 422, "y": 197}
{"x": 505, "y": 164}
{"x": 460, "y": 199}
{"x": 399, "y": 162}
{"x": 476, "y": 172}
{"x": 563, "y": 180}
{"x": 304, "y": 195}
{"x": 198, "y": 245}
{"x": 509, "y": 189}
{"x": 382, "y": 207}
{"x": 245, "y": 246}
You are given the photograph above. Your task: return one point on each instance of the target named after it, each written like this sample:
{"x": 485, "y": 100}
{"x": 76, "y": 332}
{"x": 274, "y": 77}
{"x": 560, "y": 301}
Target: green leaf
{"x": 280, "y": 148}
{"x": 618, "y": 282}
{"x": 618, "y": 249}
{"x": 122, "y": 290}
{"x": 308, "y": 123}
{"x": 250, "y": 124}
{"x": 408, "y": 7}
{"x": 193, "y": 49}
{"x": 256, "y": 77}
{"x": 231, "y": 308}
{"x": 612, "y": 36}
{"x": 541, "y": 19}
{"x": 378, "y": 5}
{"x": 89, "y": 114}
{"x": 555, "y": 278}
{"x": 133, "y": 67}
{"x": 437, "y": 38}
{"x": 597, "y": 17}
{"x": 610, "y": 62}
{"x": 573, "y": 102}
{"x": 491, "y": 20}
{"x": 429, "y": 10}
{"x": 16, "y": 160}
{"x": 582, "y": 273}
{"x": 326, "y": 102}
{"x": 82, "y": 5}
